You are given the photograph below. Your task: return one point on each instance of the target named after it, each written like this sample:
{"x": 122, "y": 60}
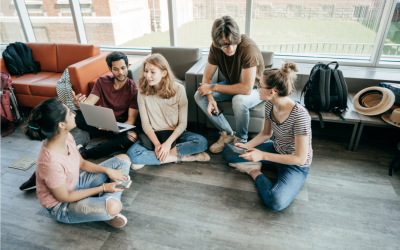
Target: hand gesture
{"x": 117, "y": 175}
{"x": 212, "y": 106}
{"x": 253, "y": 155}
{"x": 242, "y": 145}
{"x": 78, "y": 98}
{"x": 99, "y": 128}
{"x": 163, "y": 151}
{"x": 110, "y": 187}
{"x": 204, "y": 89}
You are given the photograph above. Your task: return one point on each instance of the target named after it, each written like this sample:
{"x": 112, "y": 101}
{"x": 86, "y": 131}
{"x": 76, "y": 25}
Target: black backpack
{"x": 18, "y": 59}
{"x": 325, "y": 90}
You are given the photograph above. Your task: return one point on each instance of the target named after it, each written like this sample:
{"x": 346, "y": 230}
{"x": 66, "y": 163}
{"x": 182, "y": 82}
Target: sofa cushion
{"x": 179, "y": 58}
{"x": 45, "y": 87}
{"x": 68, "y": 54}
{"x": 46, "y": 54}
{"x": 21, "y": 84}
{"x": 257, "y": 111}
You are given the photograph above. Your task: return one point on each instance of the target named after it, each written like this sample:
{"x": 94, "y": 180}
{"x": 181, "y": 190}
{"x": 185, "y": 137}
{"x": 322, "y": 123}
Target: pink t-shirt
{"x": 53, "y": 170}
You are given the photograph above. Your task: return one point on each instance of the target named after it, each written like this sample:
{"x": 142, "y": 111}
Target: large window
{"x": 51, "y": 21}
{"x": 391, "y": 49}
{"x": 195, "y": 19}
{"x": 126, "y": 23}
{"x": 333, "y": 28}
{"x": 304, "y": 30}
{"x": 10, "y": 26}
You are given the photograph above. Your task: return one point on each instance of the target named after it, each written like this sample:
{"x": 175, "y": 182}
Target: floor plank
{"x": 347, "y": 202}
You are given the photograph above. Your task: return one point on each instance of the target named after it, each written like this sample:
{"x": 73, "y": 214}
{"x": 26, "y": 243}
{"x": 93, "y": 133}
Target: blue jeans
{"x": 240, "y": 105}
{"x": 188, "y": 143}
{"x": 90, "y": 208}
{"x": 289, "y": 179}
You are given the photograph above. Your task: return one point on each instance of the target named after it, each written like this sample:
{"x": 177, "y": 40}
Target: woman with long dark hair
{"x": 71, "y": 196}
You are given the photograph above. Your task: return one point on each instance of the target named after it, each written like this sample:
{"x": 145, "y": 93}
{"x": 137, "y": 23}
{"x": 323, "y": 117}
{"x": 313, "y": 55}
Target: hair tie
{"x": 33, "y": 128}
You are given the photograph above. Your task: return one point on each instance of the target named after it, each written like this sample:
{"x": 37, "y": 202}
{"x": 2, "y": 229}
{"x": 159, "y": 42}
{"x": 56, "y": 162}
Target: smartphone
{"x": 215, "y": 113}
{"x": 124, "y": 184}
{"x": 235, "y": 149}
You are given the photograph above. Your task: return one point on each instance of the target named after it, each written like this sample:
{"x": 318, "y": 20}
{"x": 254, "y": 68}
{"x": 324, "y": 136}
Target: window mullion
{"x": 382, "y": 31}
{"x": 25, "y": 21}
{"x": 173, "y": 27}
{"x": 78, "y": 21}
{"x": 249, "y": 12}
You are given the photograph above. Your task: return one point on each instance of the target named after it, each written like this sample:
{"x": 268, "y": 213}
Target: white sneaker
{"x": 246, "y": 167}
{"x": 219, "y": 145}
{"x": 118, "y": 221}
{"x": 137, "y": 166}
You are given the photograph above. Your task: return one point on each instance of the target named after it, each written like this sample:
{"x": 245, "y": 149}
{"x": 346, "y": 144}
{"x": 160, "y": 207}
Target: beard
{"x": 116, "y": 78}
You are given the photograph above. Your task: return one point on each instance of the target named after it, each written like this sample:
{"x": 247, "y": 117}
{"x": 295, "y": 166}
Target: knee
{"x": 238, "y": 102}
{"x": 226, "y": 154}
{"x": 132, "y": 136}
{"x": 198, "y": 98}
{"x": 277, "y": 203}
{"x": 203, "y": 143}
{"x": 124, "y": 156}
{"x": 114, "y": 206}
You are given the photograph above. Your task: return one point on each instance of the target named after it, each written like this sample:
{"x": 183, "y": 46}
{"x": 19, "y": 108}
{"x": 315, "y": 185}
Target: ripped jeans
{"x": 188, "y": 143}
{"x": 90, "y": 208}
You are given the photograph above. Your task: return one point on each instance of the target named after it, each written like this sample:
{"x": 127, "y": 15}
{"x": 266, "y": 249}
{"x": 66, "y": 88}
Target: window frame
{"x": 374, "y": 61}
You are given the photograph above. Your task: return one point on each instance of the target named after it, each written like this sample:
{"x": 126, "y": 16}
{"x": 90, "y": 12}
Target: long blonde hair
{"x": 167, "y": 83}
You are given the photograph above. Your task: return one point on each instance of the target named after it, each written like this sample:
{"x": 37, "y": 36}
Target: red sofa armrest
{"x": 3, "y": 66}
{"x": 82, "y": 72}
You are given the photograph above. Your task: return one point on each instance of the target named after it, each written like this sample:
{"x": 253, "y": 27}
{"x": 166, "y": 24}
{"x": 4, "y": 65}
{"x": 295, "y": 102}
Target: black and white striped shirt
{"x": 297, "y": 124}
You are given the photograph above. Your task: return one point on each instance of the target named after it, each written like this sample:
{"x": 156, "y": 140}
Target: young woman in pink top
{"x": 71, "y": 196}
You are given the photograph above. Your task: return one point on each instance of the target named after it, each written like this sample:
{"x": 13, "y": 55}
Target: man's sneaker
{"x": 118, "y": 221}
{"x": 137, "y": 166}
{"x": 82, "y": 138}
{"x": 219, "y": 145}
{"x": 239, "y": 140}
{"x": 29, "y": 184}
{"x": 82, "y": 151}
{"x": 246, "y": 167}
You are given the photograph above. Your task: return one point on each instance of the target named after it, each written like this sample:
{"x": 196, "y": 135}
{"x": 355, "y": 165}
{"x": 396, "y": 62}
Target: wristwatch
{"x": 213, "y": 87}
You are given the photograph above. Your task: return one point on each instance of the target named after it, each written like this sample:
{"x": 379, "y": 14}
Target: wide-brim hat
{"x": 393, "y": 118}
{"x": 373, "y": 100}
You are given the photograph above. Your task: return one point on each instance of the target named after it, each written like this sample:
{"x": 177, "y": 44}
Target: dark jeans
{"x": 117, "y": 143}
{"x": 289, "y": 179}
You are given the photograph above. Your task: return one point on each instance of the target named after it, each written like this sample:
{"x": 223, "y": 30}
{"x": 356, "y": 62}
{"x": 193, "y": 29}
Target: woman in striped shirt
{"x": 290, "y": 153}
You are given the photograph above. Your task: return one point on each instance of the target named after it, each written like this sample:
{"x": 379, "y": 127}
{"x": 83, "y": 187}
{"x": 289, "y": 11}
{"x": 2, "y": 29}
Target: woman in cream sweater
{"x": 163, "y": 108}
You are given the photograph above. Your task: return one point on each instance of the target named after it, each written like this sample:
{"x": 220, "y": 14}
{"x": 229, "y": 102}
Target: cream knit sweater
{"x": 164, "y": 114}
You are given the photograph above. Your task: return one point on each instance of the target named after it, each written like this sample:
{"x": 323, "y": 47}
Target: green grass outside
{"x": 277, "y": 31}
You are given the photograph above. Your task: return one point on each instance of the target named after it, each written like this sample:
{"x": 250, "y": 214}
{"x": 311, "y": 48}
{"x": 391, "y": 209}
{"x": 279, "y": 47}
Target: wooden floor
{"x": 347, "y": 202}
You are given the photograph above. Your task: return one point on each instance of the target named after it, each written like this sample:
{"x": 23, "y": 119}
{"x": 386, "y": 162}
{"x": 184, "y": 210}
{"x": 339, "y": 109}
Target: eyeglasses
{"x": 227, "y": 46}
{"x": 258, "y": 86}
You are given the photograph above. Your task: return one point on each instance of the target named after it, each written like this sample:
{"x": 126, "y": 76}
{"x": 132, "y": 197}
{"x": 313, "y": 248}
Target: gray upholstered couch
{"x": 256, "y": 123}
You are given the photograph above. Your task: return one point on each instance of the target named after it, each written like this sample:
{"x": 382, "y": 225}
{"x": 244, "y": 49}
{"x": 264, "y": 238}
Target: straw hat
{"x": 373, "y": 100}
{"x": 393, "y": 118}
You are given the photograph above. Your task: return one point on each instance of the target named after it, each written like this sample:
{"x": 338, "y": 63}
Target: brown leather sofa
{"x": 85, "y": 64}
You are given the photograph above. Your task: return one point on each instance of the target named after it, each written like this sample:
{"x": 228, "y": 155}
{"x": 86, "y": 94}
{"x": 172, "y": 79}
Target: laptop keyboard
{"x": 121, "y": 127}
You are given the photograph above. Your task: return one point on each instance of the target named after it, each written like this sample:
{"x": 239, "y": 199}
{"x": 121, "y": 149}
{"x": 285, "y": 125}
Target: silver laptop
{"x": 101, "y": 117}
